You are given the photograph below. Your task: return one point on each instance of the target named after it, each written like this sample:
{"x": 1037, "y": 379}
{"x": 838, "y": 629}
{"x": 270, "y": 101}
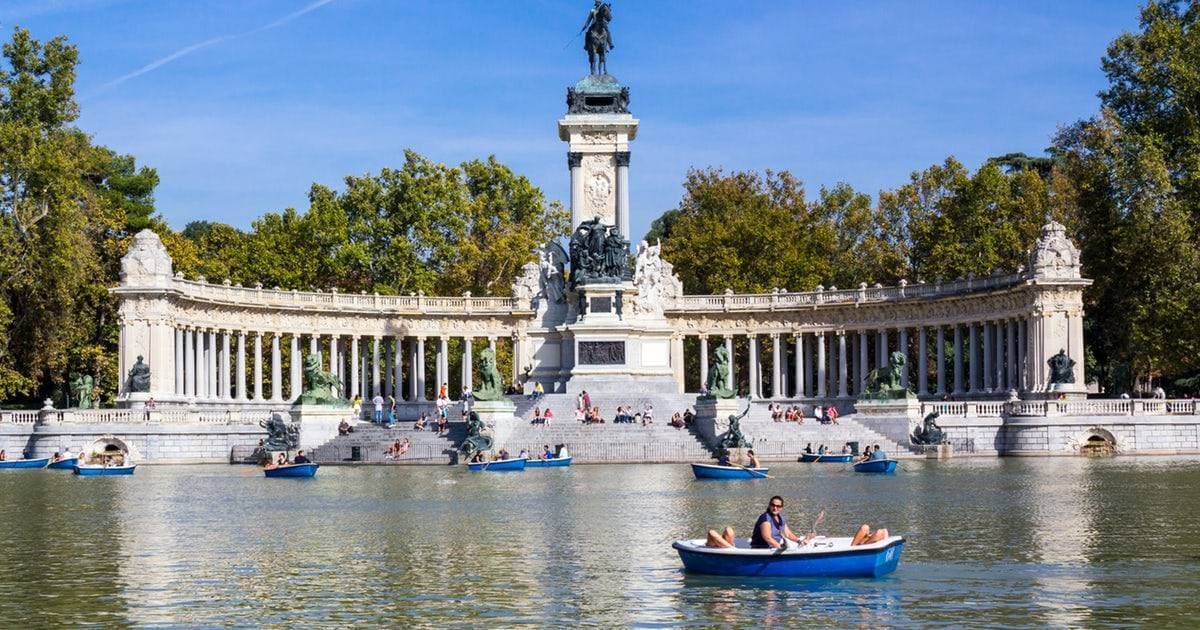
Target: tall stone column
{"x": 398, "y": 368}
{"x": 225, "y": 385}
{"x": 864, "y": 360}
{"x": 1022, "y": 349}
{"x": 881, "y": 349}
{"x": 443, "y": 365}
{"x": 1010, "y": 364}
{"x": 258, "y": 384}
{"x": 703, "y": 362}
{"x": 729, "y": 349}
{"x": 922, "y": 362}
{"x": 420, "y": 370}
{"x": 623, "y": 193}
{"x": 941, "y": 360}
{"x": 904, "y": 348}
{"x": 973, "y": 385}
{"x": 179, "y": 359}
{"x": 753, "y": 366}
{"x": 776, "y": 370}
{"x": 413, "y": 370}
{"x": 798, "y": 340}
{"x": 201, "y": 390}
{"x": 822, "y": 377}
{"x": 375, "y": 357}
{"x": 294, "y": 384}
{"x": 575, "y": 164}
{"x": 677, "y": 362}
{"x": 211, "y": 366}
{"x": 810, "y": 373}
{"x": 842, "y": 358}
{"x": 468, "y": 375}
{"x": 315, "y": 350}
{"x": 189, "y": 364}
{"x": 335, "y": 361}
{"x": 276, "y": 369}
{"x": 241, "y": 366}
{"x": 394, "y": 386}
{"x": 958, "y": 360}
{"x": 999, "y": 357}
{"x": 987, "y": 356}
{"x": 355, "y": 363}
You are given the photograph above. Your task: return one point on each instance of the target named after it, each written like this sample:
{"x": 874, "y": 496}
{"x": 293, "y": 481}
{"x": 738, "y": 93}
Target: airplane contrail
{"x": 183, "y": 52}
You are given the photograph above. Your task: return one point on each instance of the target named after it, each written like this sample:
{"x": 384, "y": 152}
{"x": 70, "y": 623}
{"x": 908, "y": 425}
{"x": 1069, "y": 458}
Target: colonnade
{"x": 967, "y": 359}
{"x": 211, "y": 364}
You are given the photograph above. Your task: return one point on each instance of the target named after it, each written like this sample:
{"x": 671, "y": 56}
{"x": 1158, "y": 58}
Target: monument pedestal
{"x": 894, "y": 418}
{"x": 712, "y": 418}
{"x": 497, "y": 416}
{"x": 319, "y": 423}
{"x": 938, "y": 451}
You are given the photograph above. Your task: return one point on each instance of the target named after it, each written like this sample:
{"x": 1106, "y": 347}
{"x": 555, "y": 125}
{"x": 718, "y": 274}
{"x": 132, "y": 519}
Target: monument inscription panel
{"x": 602, "y": 352}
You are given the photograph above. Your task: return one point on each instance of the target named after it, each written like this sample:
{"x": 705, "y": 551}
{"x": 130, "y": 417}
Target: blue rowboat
{"x": 876, "y": 466}
{"x": 66, "y": 463}
{"x": 293, "y": 470}
{"x": 823, "y": 557}
{"x": 827, "y": 459}
{"x": 517, "y": 463}
{"x": 554, "y": 462}
{"x": 25, "y": 463}
{"x": 713, "y": 471}
{"x": 93, "y": 470}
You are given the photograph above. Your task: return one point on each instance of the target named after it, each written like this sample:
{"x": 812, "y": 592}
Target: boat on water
{"x": 553, "y": 462}
{"x": 98, "y": 470}
{"x": 293, "y": 470}
{"x": 500, "y": 465}
{"x": 713, "y": 471}
{"x": 66, "y": 463}
{"x": 39, "y": 462}
{"x": 823, "y": 557}
{"x": 876, "y": 466}
{"x": 839, "y": 458}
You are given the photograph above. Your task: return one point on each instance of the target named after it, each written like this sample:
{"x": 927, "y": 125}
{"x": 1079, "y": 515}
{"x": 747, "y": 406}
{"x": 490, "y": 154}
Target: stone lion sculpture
{"x": 884, "y": 382}
{"x": 490, "y": 386}
{"x": 319, "y": 386}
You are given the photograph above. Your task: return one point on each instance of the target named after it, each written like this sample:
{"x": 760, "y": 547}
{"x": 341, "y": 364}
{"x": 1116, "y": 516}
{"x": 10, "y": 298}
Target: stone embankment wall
{"x": 1130, "y": 435}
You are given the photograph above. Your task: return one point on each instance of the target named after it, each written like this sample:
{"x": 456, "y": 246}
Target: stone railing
{"x": 135, "y": 416}
{"x": 861, "y": 295}
{"x": 1043, "y": 408}
{"x": 254, "y": 296}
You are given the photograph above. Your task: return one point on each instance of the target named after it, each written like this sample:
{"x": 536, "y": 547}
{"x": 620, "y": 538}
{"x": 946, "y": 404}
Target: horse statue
{"x": 930, "y": 432}
{"x": 319, "y": 386}
{"x": 475, "y": 441}
{"x": 884, "y": 382}
{"x": 718, "y": 374}
{"x": 598, "y": 40}
{"x": 490, "y": 386}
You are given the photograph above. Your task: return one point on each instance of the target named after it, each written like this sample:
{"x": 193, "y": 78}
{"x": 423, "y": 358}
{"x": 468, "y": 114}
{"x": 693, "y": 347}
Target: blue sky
{"x": 257, "y": 99}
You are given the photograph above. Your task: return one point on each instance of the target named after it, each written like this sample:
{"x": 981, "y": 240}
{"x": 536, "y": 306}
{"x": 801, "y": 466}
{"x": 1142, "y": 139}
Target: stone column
{"x": 276, "y": 369}
{"x": 443, "y": 360}
{"x": 973, "y": 352}
{"x": 776, "y": 370}
{"x": 198, "y": 364}
{"x": 413, "y": 370}
{"x": 420, "y": 370}
{"x": 241, "y": 366}
{"x": 189, "y": 374}
{"x": 355, "y": 363}
{"x": 375, "y": 358}
{"x": 314, "y": 349}
{"x": 941, "y": 361}
{"x": 391, "y": 386}
{"x": 258, "y": 385}
{"x": 752, "y": 343}
{"x": 335, "y": 361}
{"x": 468, "y": 375}
{"x": 999, "y": 357}
{"x": 575, "y": 164}
{"x": 922, "y": 362}
{"x": 1022, "y": 348}
{"x": 881, "y": 349}
{"x": 179, "y": 359}
{"x": 729, "y": 349}
{"x": 211, "y": 365}
{"x": 799, "y": 352}
{"x": 987, "y": 356}
{"x": 623, "y": 193}
{"x": 904, "y": 348}
{"x": 703, "y": 361}
{"x": 294, "y": 384}
{"x": 224, "y": 393}
{"x": 842, "y": 358}
{"x": 810, "y": 374}
{"x": 864, "y": 360}
{"x": 821, "y": 365}
{"x": 958, "y": 360}
{"x": 677, "y": 362}
{"x": 1010, "y": 364}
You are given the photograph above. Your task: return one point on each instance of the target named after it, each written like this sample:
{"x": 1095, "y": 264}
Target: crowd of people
{"x": 794, "y": 413}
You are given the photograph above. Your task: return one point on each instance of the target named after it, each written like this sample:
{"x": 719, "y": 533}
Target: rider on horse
{"x": 598, "y": 40}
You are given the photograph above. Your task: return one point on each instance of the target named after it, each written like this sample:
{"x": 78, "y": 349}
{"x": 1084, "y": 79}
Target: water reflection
{"x": 1061, "y": 542}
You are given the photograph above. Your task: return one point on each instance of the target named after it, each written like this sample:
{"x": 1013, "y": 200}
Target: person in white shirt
{"x": 378, "y": 402}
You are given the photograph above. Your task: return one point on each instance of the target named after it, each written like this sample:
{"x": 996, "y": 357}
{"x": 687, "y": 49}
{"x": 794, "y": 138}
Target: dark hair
{"x": 750, "y": 451}
{"x": 876, "y": 447}
{"x": 774, "y": 499}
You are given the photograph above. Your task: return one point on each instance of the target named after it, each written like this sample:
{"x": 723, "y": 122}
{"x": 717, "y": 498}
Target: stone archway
{"x": 1098, "y": 442}
{"x": 108, "y": 448}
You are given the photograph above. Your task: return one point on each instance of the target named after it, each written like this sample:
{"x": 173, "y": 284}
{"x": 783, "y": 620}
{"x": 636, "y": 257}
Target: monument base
{"x": 938, "y": 451}
{"x": 895, "y": 418}
{"x": 319, "y": 423}
{"x": 498, "y": 417}
{"x": 712, "y": 417}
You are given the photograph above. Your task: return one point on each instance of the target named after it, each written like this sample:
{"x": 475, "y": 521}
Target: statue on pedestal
{"x": 718, "y": 375}
{"x": 884, "y": 382}
{"x": 319, "y": 385}
{"x": 81, "y": 390}
{"x": 929, "y": 432}
{"x": 597, "y": 40}
{"x": 475, "y": 441}
{"x": 490, "y": 386}
{"x": 1062, "y": 369}
{"x": 281, "y": 436}
{"x": 139, "y": 377}
{"x": 598, "y": 254}
{"x": 733, "y": 437}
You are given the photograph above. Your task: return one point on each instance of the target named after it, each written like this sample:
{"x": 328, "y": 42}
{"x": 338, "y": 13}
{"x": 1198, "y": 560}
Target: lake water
{"x": 991, "y": 542}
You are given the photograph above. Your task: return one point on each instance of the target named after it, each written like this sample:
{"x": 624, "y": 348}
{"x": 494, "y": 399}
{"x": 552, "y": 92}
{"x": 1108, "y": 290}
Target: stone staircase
{"x": 368, "y": 443}
{"x": 785, "y": 441}
{"x": 608, "y": 442}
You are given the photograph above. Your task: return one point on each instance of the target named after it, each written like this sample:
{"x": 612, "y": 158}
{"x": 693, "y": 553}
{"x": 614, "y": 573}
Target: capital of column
{"x": 575, "y": 159}
{"x": 622, "y": 158}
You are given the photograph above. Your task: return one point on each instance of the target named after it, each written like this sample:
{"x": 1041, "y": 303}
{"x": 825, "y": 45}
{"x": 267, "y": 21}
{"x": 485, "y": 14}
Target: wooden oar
{"x": 763, "y": 475}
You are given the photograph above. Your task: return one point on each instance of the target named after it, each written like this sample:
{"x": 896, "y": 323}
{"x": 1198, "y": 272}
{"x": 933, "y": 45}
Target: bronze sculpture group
{"x": 598, "y": 254}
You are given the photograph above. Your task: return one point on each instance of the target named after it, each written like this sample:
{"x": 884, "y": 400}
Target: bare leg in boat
{"x": 866, "y": 537}
{"x": 724, "y": 539}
